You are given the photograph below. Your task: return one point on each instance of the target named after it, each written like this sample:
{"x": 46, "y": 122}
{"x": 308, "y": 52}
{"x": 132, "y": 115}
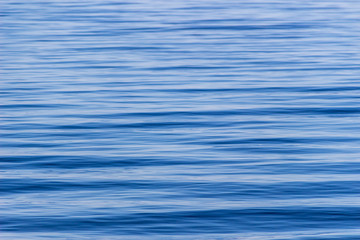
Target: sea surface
{"x": 184, "y": 120}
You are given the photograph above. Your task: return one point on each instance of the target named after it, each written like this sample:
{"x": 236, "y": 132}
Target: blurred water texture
{"x": 180, "y": 119}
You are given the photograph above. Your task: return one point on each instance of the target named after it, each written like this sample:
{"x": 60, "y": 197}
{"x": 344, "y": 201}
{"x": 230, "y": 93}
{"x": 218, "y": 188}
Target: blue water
{"x": 206, "y": 120}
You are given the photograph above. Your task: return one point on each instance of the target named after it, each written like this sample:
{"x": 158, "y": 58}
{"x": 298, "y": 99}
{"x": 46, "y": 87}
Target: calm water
{"x": 211, "y": 120}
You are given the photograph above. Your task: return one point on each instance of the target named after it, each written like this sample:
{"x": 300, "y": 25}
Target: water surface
{"x": 216, "y": 120}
